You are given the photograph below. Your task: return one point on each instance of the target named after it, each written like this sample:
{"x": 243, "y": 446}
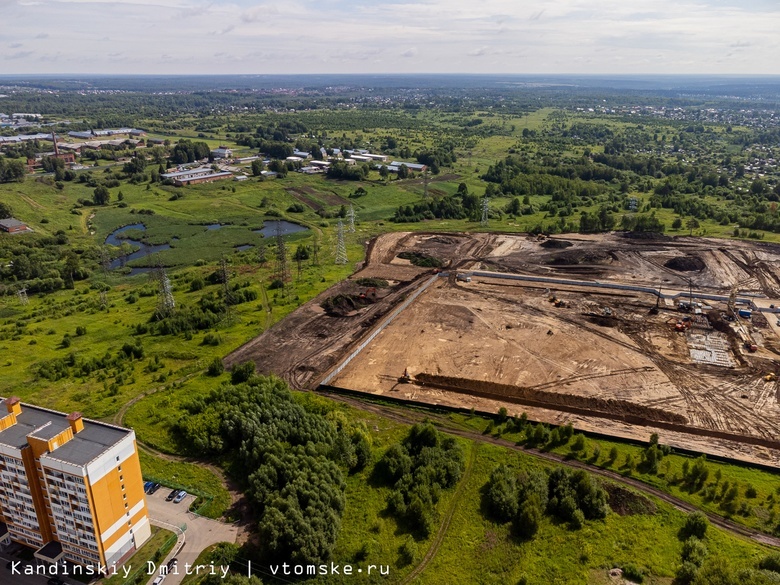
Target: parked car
{"x": 179, "y": 497}
{"x": 158, "y": 580}
{"x": 172, "y": 563}
{"x": 172, "y": 495}
{"x": 154, "y": 488}
{"x": 148, "y": 486}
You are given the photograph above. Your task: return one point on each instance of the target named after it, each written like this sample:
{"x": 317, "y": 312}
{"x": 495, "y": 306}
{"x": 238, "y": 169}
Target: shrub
{"x": 81, "y": 330}
{"x": 695, "y": 525}
{"x": 216, "y": 367}
{"x": 211, "y": 339}
{"x": 196, "y": 284}
{"x": 242, "y": 372}
{"x": 633, "y": 573}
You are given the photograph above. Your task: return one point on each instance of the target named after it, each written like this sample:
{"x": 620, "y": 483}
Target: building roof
{"x": 409, "y": 165}
{"x": 12, "y": 222}
{"x": 188, "y": 173}
{"x": 85, "y": 446}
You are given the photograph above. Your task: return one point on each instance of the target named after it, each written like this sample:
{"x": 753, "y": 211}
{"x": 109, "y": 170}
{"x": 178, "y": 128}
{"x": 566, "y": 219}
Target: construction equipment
{"x": 369, "y": 294}
{"x": 770, "y": 377}
{"x": 406, "y": 378}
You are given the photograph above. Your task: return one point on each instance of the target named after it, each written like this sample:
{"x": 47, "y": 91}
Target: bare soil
{"x": 609, "y": 361}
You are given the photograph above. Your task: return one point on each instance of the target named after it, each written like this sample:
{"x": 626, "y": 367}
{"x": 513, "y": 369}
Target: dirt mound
{"x": 582, "y": 257}
{"x": 341, "y": 305}
{"x": 686, "y": 264}
{"x": 627, "y": 503}
{"x": 613, "y": 408}
{"x": 556, "y": 244}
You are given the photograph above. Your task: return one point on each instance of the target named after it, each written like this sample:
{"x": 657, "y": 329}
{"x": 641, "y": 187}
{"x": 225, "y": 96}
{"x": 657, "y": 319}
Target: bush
{"x": 770, "y": 563}
{"x": 633, "y": 573}
{"x": 501, "y": 494}
{"x": 211, "y": 339}
{"x": 694, "y": 551}
{"x": 242, "y": 372}
{"x": 81, "y": 330}
{"x": 196, "y": 284}
{"x": 216, "y": 367}
{"x": 695, "y": 525}
{"x": 408, "y": 553}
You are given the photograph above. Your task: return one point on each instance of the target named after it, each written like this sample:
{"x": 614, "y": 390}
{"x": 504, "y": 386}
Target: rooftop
{"x": 11, "y": 222}
{"x": 86, "y": 445}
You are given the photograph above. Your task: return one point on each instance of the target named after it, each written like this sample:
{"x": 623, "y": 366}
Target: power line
{"x": 351, "y": 218}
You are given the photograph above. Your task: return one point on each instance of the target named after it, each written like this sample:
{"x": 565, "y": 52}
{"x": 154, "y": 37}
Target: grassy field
{"x": 147, "y": 393}
{"x": 757, "y": 500}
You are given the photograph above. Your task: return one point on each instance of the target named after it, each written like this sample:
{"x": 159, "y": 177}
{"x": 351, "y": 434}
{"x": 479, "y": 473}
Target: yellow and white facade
{"x": 68, "y": 487}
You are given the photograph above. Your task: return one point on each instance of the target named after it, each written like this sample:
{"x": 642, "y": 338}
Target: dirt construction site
{"x": 621, "y": 336}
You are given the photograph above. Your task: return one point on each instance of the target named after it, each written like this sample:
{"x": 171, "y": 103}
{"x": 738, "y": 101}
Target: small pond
{"x": 142, "y": 251}
{"x": 270, "y": 226}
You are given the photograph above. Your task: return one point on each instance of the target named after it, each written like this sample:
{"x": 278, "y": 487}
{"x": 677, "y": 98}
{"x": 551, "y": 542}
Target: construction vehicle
{"x": 369, "y": 294}
{"x": 770, "y": 377}
{"x": 406, "y": 378}
{"x": 750, "y": 346}
{"x": 463, "y": 277}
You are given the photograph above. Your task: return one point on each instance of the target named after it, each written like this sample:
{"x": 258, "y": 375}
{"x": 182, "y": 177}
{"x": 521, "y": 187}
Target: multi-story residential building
{"x": 70, "y": 488}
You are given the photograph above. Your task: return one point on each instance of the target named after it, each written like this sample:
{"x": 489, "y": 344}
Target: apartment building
{"x": 69, "y": 487}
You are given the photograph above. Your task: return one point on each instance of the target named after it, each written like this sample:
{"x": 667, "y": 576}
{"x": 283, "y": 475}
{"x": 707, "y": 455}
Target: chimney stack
{"x": 13, "y": 405}
{"x": 76, "y": 422}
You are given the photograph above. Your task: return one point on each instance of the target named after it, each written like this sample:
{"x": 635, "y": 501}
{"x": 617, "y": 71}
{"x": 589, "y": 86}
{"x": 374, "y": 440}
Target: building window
{"x": 122, "y": 478}
{"x": 124, "y": 496}
{"x": 126, "y": 505}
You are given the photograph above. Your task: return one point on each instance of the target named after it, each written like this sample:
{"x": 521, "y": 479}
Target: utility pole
{"x": 425, "y": 183}
{"x": 341, "y": 247}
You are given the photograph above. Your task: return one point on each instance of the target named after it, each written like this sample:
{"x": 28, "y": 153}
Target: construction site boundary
{"x": 444, "y": 409}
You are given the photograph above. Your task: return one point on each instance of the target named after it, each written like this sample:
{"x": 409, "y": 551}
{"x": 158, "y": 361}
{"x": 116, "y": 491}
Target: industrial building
{"x": 13, "y": 226}
{"x": 195, "y": 176}
{"x": 71, "y": 488}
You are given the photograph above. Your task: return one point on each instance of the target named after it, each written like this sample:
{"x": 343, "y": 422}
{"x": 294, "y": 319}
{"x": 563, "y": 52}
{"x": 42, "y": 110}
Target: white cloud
{"x": 543, "y": 36}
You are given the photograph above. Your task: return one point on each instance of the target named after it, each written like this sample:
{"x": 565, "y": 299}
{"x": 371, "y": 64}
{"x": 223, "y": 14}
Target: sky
{"x": 392, "y": 36}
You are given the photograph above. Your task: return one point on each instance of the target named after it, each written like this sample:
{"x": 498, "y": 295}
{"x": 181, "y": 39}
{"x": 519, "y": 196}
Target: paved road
{"x": 199, "y": 532}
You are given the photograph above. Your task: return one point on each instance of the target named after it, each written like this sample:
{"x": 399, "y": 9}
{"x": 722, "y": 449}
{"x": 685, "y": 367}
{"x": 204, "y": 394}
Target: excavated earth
{"x": 610, "y": 361}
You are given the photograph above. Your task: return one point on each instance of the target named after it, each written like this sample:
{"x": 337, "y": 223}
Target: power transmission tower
{"x": 341, "y": 247}
{"x": 227, "y": 293}
{"x": 425, "y": 183}
{"x": 315, "y": 250}
{"x": 165, "y": 302}
{"x": 282, "y": 269}
{"x": 351, "y": 218}
{"x": 485, "y": 212}
{"x": 22, "y": 294}
{"x": 105, "y": 259}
